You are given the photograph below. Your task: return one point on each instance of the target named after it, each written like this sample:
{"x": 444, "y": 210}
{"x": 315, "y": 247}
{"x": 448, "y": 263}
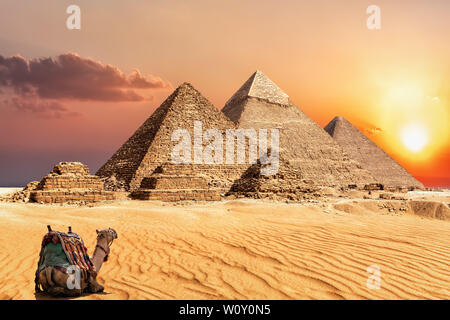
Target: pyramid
{"x": 171, "y": 182}
{"x": 304, "y": 145}
{"x": 150, "y": 146}
{"x": 70, "y": 182}
{"x": 287, "y": 183}
{"x": 382, "y": 167}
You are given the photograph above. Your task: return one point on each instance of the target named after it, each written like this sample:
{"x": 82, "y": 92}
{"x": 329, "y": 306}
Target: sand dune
{"x": 237, "y": 250}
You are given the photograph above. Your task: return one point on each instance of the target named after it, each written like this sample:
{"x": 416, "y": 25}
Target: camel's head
{"x": 109, "y": 234}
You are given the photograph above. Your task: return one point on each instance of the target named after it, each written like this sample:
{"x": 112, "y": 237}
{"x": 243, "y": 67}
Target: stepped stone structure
{"x": 307, "y": 153}
{"x": 70, "y": 182}
{"x": 287, "y": 183}
{"x": 150, "y": 146}
{"x": 171, "y": 182}
{"x": 383, "y": 168}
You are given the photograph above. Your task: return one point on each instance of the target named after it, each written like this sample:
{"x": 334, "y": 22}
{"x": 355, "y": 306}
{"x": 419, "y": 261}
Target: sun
{"x": 414, "y": 137}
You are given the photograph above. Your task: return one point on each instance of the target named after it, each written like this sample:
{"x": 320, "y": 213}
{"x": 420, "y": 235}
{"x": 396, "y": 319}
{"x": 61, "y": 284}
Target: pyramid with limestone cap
{"x": 261, "y": 87}
{"x": 359, "y": 147}
{"x": 305, "y": 146}
{"x": 151, "y": 145}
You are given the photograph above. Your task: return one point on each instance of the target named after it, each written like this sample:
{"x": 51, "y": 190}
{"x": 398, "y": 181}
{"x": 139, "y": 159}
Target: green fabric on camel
{"x": 54, "y": 255}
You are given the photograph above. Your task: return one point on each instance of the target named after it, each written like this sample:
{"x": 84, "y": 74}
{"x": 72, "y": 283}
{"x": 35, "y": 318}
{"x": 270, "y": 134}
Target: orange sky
{"x": 319, "y": 52}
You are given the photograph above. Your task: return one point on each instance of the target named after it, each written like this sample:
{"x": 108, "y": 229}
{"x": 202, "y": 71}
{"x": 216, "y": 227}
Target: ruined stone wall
{"x": 51, "y": 182}
{"x": 286, "y": 184}
{"x": 173, "y": 182}
{"x": 220, "y": 176}
{"x": 176, "y": 183}
{"x": 70, "y": 196}
{"x": 177, "y": 195}
{"x": 71, "y": 168}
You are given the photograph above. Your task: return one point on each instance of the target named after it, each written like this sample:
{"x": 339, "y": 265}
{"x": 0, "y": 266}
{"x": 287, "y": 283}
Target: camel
{"x": 54, "y": 281}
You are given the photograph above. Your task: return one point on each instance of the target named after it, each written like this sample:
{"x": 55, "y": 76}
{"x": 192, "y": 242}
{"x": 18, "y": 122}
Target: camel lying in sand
{"x": 54, "y": 281}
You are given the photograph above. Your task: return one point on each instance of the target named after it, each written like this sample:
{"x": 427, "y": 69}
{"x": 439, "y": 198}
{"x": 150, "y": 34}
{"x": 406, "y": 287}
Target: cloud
{"x": 46, "y": 109}
{"x": 372, "y": 131}
{"x": 43, "y": 86}
{"x": 71, "y": 77}
{"x": 367, "y": 128}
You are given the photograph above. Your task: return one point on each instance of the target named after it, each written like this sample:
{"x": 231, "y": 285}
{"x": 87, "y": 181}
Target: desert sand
{"x": 239, "y": 249}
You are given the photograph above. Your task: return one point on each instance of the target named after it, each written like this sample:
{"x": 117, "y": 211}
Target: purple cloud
{"x": 69, "y": 76}
{"x": 46, "y": 109}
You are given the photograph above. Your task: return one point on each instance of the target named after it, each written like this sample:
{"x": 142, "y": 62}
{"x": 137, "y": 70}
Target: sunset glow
{"x": 393, "y": 83}
{"x": 414, "y": 137}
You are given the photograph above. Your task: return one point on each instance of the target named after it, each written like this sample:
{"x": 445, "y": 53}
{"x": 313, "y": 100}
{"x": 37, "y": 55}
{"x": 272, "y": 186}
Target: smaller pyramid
{"x": 372, "y": 158}
{"x": 287, "y": 183}
{"x": 170, "y": 182}
{"x": 70, "y": 182}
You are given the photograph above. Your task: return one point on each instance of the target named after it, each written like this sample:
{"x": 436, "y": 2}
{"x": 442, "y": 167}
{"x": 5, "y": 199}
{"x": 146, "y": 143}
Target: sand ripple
{"x": 237, "y": 250}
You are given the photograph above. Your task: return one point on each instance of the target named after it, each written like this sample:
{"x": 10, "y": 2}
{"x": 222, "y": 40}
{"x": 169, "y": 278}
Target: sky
{"x": 77, "y": 95}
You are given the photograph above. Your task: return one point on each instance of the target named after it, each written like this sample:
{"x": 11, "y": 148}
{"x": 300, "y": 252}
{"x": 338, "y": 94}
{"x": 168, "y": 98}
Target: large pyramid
{"x": 150, "y": 146}
{"x": 382, "y": 167}
{"x": 304, "y": 145}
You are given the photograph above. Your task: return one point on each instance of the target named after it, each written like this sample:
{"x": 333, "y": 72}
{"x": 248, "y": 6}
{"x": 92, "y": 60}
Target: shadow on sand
{"x": 45, "y": 296}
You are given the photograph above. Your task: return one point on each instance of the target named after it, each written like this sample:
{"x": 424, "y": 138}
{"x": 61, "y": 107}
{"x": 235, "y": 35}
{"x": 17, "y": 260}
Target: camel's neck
{"x": 99, "y": 255}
